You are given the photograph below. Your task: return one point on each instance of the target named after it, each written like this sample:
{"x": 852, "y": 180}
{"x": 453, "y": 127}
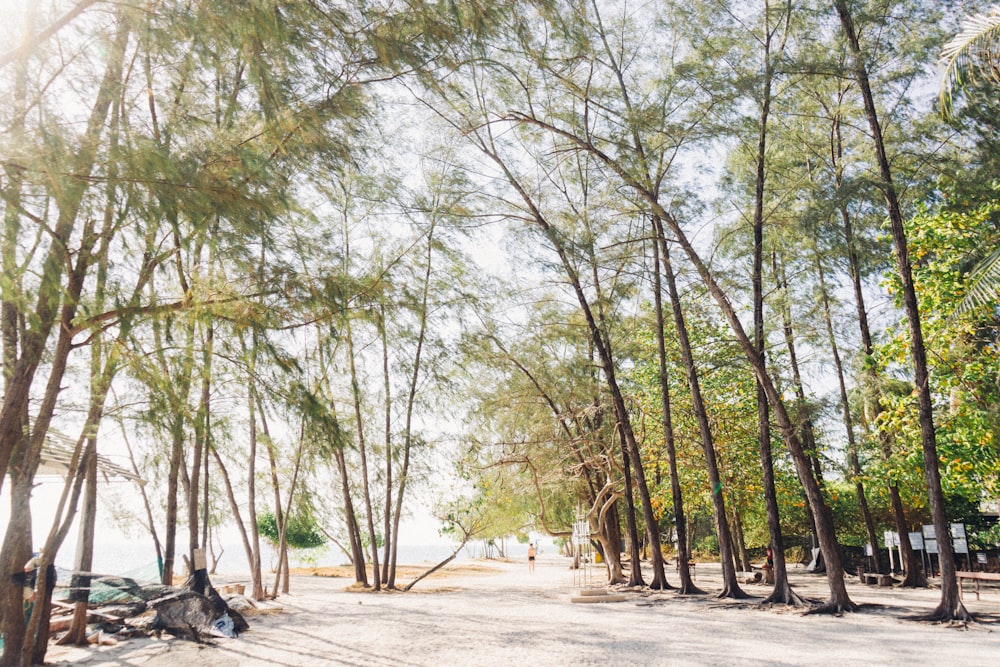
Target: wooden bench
{"x": 977, "y": 577}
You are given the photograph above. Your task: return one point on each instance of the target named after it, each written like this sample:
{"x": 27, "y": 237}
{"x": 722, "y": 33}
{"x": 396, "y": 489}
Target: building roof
{"x": 57, "y": 454}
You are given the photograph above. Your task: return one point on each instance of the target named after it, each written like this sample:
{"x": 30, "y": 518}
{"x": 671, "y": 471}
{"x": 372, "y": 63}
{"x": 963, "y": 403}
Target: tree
{"x": 951, "y": 607}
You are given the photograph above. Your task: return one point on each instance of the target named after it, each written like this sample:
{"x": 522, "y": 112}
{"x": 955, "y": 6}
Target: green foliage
{"x": 962, "y": 350}
{"x": 301, "y": 531}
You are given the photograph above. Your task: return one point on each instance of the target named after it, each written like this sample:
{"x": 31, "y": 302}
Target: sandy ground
{"x": 499, "y": 614}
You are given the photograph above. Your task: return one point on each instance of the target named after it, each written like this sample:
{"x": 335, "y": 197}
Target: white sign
{"x": 931, "y": 546}
{"x": 917, "y": 541}
{"x": 929, "y": 532}
{"x": 958, "y": 531}
{"x": 891, "y": 539}
{"x": 960, "y": 545}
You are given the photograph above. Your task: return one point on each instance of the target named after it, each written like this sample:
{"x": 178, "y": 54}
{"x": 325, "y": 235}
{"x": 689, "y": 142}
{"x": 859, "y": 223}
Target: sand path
{"x": 508, "y": 617}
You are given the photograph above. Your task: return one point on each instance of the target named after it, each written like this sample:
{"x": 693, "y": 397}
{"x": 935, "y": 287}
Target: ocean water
{"x": 137, "y": 560}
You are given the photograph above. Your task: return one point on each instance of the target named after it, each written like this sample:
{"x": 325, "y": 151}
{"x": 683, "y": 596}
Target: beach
{"x": 497, "y": 613}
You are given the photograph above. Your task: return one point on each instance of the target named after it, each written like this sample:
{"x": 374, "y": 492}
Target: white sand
{"x": 512, "y": 618}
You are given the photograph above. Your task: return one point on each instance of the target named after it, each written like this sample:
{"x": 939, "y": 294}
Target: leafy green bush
{"x": 302, "y": 531}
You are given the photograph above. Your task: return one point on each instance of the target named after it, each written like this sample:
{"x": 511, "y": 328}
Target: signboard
{"x": 929, "y": 532}
{"x": 960, "y": 545}
{"x": 917, "y": 541}
{"x": 891, "y": 539}
{"x": 868, "y": 549}
{"x": 930, "y": 546}
{"x": 958, "y": 531}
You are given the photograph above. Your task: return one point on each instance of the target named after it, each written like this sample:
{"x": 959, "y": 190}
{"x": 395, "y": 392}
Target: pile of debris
{"x": 121, "y": 607}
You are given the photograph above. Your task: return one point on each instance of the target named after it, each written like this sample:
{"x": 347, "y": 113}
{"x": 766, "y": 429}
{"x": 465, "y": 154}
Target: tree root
{"x": 732, "y": 592}
{"x": 788, "y": 597}
{"x": 691, "y": 589}
{"x": 661, "y": 585}
{"x": 834, "y": 608}
{"x": 945, "y": 613}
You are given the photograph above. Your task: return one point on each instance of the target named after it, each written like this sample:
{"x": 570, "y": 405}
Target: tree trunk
{"x": 279, "y": 513}
{"x": 20, "y": 440}
{"x": 741, "y": 545}
{"x": 610, "y": 538}
{"x": 687, "y": 586}
{"x": 410, "y": 402}
{"x": 17, "y": 551}
{"x": 950, "y": 607}
{"x": 635, "y": 567}
{"x": 362, "y": 450}
{"x": 256, "y": 573}
{"x": 387, "y": 436}
{"x": 853, "y": 458}
{"x": 730, "y": 585}
{"x": 80, "y": 581}
{"x": 350, "y": 520}
{"x": 914, "y": 575}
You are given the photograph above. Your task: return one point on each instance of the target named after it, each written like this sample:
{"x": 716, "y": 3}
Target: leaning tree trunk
{"x": 641, "y": 185}
{"x": 606, "y": 357}
{"x": 730, "y": 585}
{"x": 951, "y": 607}
{"x": 687, "y": 586}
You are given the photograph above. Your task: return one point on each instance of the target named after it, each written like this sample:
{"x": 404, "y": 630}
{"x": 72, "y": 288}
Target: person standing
{"x": 531, "y": 557}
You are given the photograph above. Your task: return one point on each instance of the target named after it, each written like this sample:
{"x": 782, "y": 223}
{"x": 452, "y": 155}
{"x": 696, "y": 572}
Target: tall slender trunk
{"x": 351, "y": 521}
{"x": 680, "y": 526}
{"x": 256, "y": 574}
{"x": 387, "y": 443}
{"x": 635, "y": 562}
{"x": 853, "y": 459}
{"x": 782, "y": 592}
{"x": 279, "y": 513}
{"x": 282, "y": 574}
{"x": 83, "y": 562}
{"x": 914, "y": 576}
{"x": 362, "y": 450}
{"x": 741, "y": 543}
{"x": 410, "y": 403}
{"x": 951, "y": 607}
{"x": 170, "y": 516}
{"x": 730, "y": 585}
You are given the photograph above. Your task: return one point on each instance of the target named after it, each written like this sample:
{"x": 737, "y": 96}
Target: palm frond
{"x": 985, "y": 284}
{"x": 975, "y": 51}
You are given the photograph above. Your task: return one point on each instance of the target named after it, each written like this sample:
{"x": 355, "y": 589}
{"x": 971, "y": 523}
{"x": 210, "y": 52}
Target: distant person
{"x": 531, "y": 557}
